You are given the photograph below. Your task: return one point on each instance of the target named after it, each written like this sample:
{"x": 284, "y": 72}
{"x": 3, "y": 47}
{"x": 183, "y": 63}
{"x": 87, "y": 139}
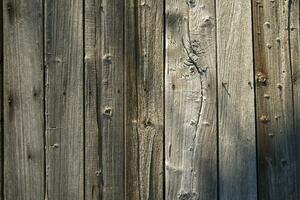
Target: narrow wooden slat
{"x": 276, "y": 32}
{"x": 294, "y": 46}
{"x": 93, "y": 61}
{"x": 237, "y": 150}
{"x": 1, "y": 103}
{"x": 144, "y": 99}
{"x": 190, "y": 98}
{"x": 23, "y": 100}
{"x": 110, "y": 96}
{"x": 64, "y": 99}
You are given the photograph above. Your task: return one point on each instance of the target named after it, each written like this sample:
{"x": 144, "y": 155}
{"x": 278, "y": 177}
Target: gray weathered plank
{"x": 190, "y": 98}
{"x": 1, "y": 102}
{"x": 93, "y": 61}
{"x": 109, "y": 75}
{"x": 144, "y": 99}
{"x": 64, "y": 99}
{"x": 275, "y": 36}
{"x": 23, "y": 100}
{"x": 237, "y": 150}
{"x": 294, "y": 46}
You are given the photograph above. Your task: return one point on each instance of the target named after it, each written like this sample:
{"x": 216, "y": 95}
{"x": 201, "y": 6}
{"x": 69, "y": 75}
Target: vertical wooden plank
{"x": 104, "y": 99}
{"x": 1, "y": 103}
{"x": 237, "y": 150}
{"x": 144, "y": 99}
{"x": 93, "y": 61}
{"x": 276, "y": 28}
{"x": 64, "y": 99}
{"x": 294, "y": 49}
{"x": 23, "y": 100}
{"x": 190, "y": 98}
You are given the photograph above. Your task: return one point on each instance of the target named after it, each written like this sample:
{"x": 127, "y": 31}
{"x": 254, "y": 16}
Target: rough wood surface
{"x": 1, "y": 103}
{"x": 237, "y": 150}
{"x": 64, "y": 99}
{"x": 276, "y": 32}
{"x": 190, "y": 100}
{"x": 23, "y": 100}
{"x": 144, "y": 99}
{"x": 110, "y": 97}
{"x": 92, "y": 97}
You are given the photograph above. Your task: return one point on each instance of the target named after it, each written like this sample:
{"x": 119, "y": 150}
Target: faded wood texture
{"x": 190, "y": 100}
{"x": 64, "y": 99}
{"x": 276, "y": 42}
{"x": 237, "y": 146}
{"x": 23, "y": 100}
{"x": 92, "y": 59}
{"x": 144, "y": 99}
{"x": 104, "y": 59}
{"x": 150, "y": 100}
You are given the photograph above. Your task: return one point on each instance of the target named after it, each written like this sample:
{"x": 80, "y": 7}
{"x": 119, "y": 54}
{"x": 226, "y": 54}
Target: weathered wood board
{"x": 104, "y": 143}
{"x": 23, "y": 100}
{"x": 64, "y": 99}
{"x": 236, "y": 118}
{"x": 190, "y": 100}
{"x": 144, "y": 67}
{"x": 276, "y": 43}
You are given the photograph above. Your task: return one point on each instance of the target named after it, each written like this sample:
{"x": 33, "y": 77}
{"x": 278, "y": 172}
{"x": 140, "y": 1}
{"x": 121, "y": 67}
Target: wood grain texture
{"x": 294, "y": 46}
{"x": 1, "y": 103}
{"x": 276, "y": 28}
{"x": 92, "y": 97}
{"x": 190, "y": 100}
{"x": 23, "y": 100}
{"x": 110, "y": 97}
{"x": 64, "y": 99}
{"x": 144, "y": 99}
{"x": 237, "y": 150}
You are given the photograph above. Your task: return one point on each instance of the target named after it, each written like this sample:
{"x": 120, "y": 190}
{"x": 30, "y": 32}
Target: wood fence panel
{"x": 190, "y": 100}
{"x": 64, "y": 99}
{"x": 237, "y": 150}
{"x": 23, "y": 100}
{"x": 144, "y": 99}
{"x": 276, "y": 31}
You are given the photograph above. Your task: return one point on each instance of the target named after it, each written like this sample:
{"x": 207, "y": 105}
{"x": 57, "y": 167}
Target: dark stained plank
{"x": 190, "y": 100}
{"x": 237, "y": 150}
{"x": 104, "y": 59}
{"x": 144, "y": 99}
{"x": 276, "y": 42}
{"x": 23, "y": 100}
{"x": 93, "y": 61}
{"x": 64, "y": 99}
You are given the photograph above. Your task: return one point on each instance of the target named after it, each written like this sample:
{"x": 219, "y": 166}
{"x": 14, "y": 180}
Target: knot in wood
{"x": 107, "y": 59}
{"x": 264, "y": 119}
{"x": 262, "y": 78}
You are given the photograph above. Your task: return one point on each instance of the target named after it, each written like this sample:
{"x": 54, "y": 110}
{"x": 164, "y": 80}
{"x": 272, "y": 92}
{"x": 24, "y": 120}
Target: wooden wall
{"x": 150, "y": 100}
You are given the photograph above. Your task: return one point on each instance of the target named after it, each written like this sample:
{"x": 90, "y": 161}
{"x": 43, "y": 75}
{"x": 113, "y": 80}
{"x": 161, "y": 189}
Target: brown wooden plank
{"x": 276, "y": 28}
{"x": 144, "y": 99}
{"x": 190, "y": 98}
{"x": 23, "y": 100}
{"x": 64, "y": 99}
{"x": 237, "y": 150}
